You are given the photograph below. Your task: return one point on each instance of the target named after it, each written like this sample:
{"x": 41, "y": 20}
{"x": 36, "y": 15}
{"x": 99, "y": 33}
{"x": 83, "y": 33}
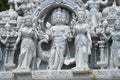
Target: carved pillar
{"x": 9, "y": 64}
{"x": 102, "y": 63}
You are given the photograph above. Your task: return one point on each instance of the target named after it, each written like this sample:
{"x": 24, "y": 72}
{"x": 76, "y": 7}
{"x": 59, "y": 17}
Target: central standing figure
{"x": 59, "y": 32}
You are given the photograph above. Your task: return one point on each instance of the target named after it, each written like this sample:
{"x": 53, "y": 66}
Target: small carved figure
{"x": 2, "y": 62}
{"x": 115, "y": 49}
{"x": 95, "y": 16}
{"x": 83, "y": 43}
{"x": 28, "y": 45}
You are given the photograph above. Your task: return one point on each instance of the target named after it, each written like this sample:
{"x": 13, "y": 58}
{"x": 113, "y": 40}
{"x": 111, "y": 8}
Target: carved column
{"x": 102, "y": 63}
{"x": 9, "y": 65}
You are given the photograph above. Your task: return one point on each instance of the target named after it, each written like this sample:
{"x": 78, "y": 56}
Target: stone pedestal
{"x": 5, "y": 75}
{"x": 60, "y": 75}
{"x": 23, "y": 76}
{"x": 105, "y": 74}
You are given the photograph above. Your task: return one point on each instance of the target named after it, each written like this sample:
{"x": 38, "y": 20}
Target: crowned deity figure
{"x": 83, "y": 42}
{"x": 115, "y": 49}
{"x": 59, "y": 32}
{"x": 95, "y": 16}
{"x": 28, "y": 45}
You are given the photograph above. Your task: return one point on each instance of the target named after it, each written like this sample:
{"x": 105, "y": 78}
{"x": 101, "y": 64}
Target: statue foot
{"x": 77, "y": 69}
{"x": 52, "y": 68}
{"x": 69, "y": 61}
{"x": 87, "y": 68}
{"x": 81, "y": 70}
{"x": 21, "y": 70}
{"x": 116, "y": 68}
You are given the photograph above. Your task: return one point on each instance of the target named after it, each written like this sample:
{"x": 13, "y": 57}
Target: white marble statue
{"x": 83, "y": 43}
{"x": 59, "y": 32}
{"x": 28, "y": 45}
{"x": 115, "y": 49}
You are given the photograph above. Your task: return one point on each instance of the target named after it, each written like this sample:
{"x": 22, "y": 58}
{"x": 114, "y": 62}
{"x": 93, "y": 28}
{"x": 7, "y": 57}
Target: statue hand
{"x": 44, "y": 40}
{"x": 7, "y": 37}
{"x": 14, "y": 48}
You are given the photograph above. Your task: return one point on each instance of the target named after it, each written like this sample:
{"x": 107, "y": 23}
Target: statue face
{"x": 81, "y": 18}
{"x": 28, "y": 22}
{"x": 59, "y": 18}
{"x": 117, "y": 26}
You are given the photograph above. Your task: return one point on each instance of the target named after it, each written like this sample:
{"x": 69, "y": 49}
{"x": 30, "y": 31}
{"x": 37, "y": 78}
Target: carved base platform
{"x": 112, "y": 74}
{"x": 6, "y": 75}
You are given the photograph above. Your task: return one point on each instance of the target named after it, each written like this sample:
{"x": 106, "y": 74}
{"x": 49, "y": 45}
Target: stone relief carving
{"x": 83, "y": 42}
{"x": 28, "y": 45}
{"x": 115, "y": 46}
{"x": 61, "y": 34}
{"x": 95, "y": 16}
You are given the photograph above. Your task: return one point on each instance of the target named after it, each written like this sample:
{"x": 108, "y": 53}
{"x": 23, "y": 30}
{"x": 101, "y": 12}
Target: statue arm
{"x": 73, "y": 24}
{"x": 67, "y": 34}
{"x": 87, "y": 4}
{"x": 35, "y": 36}
{"x": 4, "y": 41}
{"x": 17, "y": 41}
{"x": 89, "y": 39}
{"x": 16, "y": 5}
{"x": 104, "y": 2}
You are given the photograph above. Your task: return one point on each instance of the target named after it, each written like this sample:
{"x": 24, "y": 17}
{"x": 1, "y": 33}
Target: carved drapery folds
{"x": 59, "y": 34}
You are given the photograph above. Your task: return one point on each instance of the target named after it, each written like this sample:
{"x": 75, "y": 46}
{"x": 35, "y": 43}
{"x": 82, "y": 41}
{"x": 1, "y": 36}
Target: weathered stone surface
{"x": 6, "y": 75}
{"x": 105, "y": 74}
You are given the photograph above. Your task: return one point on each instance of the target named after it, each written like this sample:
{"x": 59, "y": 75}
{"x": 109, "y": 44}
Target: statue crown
{"x": 60, "y": 15}
{"x": 28, "y": 17}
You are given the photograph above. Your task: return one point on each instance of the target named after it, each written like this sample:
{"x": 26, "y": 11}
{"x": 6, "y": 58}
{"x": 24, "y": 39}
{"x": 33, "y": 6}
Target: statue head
{"x": 117, "y": 24}
{"x": 7, "y": 26}
{"x": 6, "y": 16}
{"x": 60, "y": 16}
{"x": 28, "y": 20}
{"x": 81, "y": 15}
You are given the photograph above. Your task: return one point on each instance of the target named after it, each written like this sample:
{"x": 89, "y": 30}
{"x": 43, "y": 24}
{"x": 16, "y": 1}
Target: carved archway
{"x": 48, "y": 5}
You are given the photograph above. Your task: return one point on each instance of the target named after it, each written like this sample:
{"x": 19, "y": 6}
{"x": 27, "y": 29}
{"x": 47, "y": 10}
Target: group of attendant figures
{"x": 92, "y": 32}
